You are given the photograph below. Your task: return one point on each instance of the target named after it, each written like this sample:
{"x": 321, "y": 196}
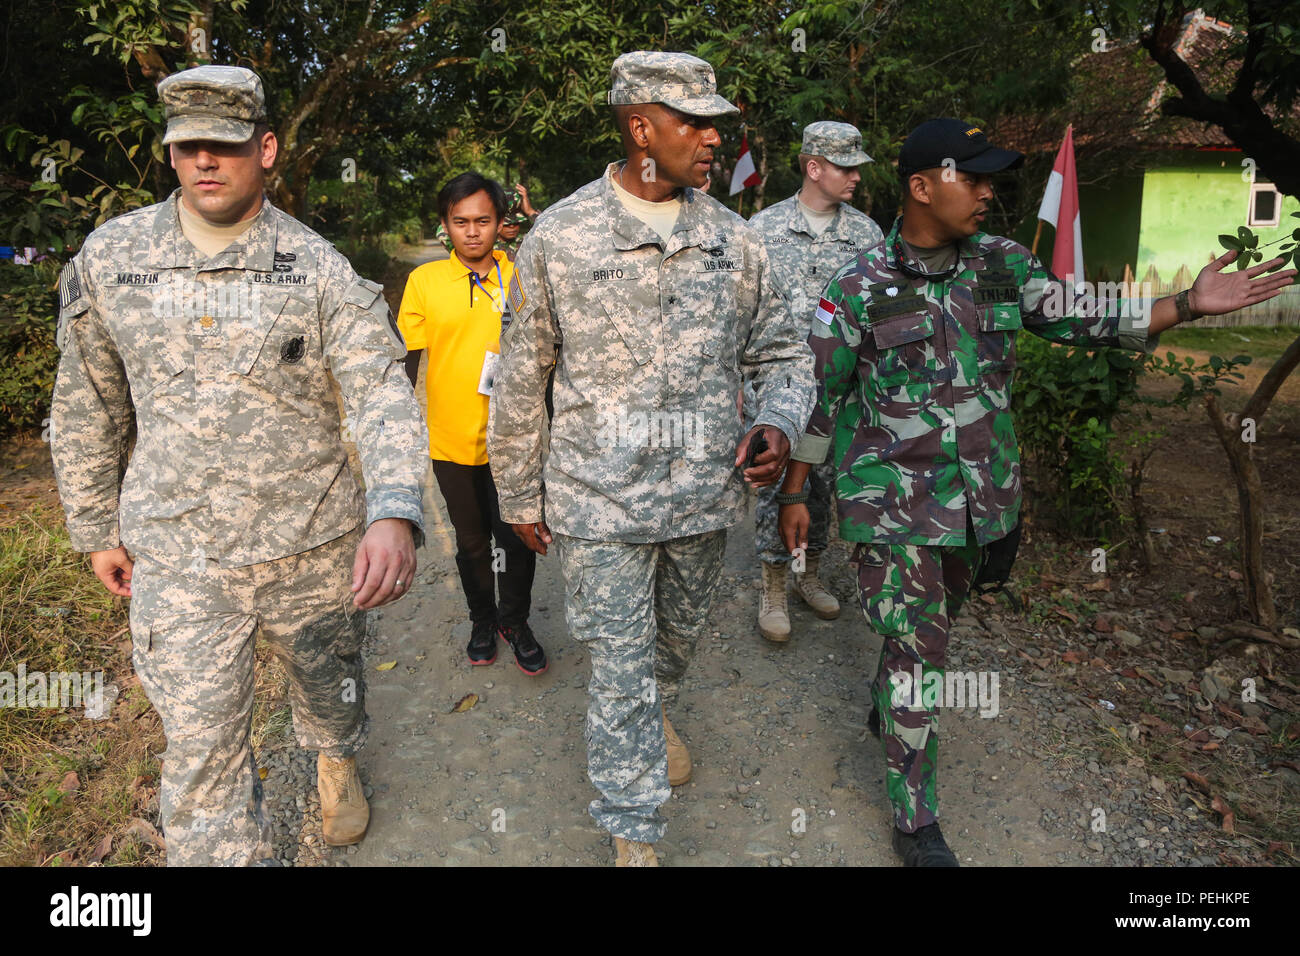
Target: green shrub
{"x": 1065, "y": 400}
{"x": 29, "y": 303}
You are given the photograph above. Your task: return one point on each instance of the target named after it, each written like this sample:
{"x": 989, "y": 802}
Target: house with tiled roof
{"x": 1155, "y": 190}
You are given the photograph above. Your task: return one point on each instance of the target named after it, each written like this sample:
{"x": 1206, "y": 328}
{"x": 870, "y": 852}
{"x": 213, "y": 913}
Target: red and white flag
{"x": 825, "y": 310}
{"x": 1060, "y": 207}
{"x": 744, "y": 174}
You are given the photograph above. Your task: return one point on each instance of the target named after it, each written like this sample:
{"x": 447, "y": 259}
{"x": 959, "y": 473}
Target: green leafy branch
{"x": 1249, "y": 250}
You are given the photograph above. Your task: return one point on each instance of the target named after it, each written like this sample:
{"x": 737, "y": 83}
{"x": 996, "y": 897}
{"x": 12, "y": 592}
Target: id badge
{"x": 489, "y": 373}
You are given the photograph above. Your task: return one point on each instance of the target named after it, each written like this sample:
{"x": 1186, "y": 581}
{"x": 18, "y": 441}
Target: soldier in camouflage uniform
{"x": 808, "y": 237}
{"x": 921, "y": 331}
{"x": 654, "y": 302}
{"x": 509, "y": 238}
{"x": 214, "y": 321}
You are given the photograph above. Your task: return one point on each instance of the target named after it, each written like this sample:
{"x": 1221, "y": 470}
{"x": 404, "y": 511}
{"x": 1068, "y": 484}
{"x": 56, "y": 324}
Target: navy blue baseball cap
{"x": 937, "y": 140}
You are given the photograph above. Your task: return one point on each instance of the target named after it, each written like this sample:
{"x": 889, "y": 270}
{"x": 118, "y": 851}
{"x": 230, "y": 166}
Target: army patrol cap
{"x": 838, "y": 143}
{"x": 936, "y": 140}
{"x": 219, "y": 103}
{"x": 679, "y": 80}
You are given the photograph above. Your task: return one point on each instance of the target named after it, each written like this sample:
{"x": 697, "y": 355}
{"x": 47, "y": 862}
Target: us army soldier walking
{"x": 654, "y": 301}
{"x": 213, "y": 319}
{"x": 808, "y": 237}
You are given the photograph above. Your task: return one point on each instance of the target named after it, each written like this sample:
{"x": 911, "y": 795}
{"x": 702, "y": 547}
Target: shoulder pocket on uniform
{"x": 363, "y": 292}
{"x": 66, "y": 316}
{"x": 901, "y": 329}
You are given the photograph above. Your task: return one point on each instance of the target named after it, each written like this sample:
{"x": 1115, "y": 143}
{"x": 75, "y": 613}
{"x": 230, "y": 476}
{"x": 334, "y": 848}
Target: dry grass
{"x": 55, "y": 616}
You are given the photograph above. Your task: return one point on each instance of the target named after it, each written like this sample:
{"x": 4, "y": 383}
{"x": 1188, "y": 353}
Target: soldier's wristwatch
{"x": 1183, "y": 306}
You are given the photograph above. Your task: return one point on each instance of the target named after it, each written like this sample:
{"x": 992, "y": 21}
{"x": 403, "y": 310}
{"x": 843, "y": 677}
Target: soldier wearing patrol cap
{"x": 914, "y": 345}
{"x": 808, "y": 237}
{"x": 654, "y": 302}
{"x": 215, "y": 321}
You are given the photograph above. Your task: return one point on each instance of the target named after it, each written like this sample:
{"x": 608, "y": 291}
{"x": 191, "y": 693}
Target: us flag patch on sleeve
{"x": 825, "y": 310}
{"x": 69, "y": 286}
{"x": 516, "y": 295}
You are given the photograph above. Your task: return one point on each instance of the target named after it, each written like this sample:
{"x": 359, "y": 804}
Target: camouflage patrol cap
{"x": 679, "y": 80}
{"x": 839, "y": 143}
{"x": 219, "y": 103}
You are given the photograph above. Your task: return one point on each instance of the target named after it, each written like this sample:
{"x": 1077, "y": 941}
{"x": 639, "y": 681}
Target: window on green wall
{"x": 1265, "y": 205}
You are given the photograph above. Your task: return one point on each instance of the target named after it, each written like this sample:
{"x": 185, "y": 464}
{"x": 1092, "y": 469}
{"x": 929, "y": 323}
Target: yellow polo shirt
{"x": 436, "y": 315}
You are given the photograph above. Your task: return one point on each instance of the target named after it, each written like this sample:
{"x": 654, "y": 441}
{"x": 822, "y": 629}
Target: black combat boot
{"x": 925, "y": 847}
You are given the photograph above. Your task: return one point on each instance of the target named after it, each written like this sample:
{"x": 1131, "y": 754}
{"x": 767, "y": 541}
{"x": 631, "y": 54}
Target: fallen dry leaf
{"x": 1197, "y": 781}
{"x": 1147, "y": 677}
{"x": 146, "y": 831}
{"x": 1229, "y": 820}
{"x": 102, "y": 849}
{"x": 386, "y": 666}
{"x": 1072, "y": 657}
{"x": 1212, "y": 745}
{"x": 1102, "y": 584}
{"x": 261, "y": 773}
{"x": 464, "y": 704}
{"x": 1072, "y": 618}
{"x": 71, "y": 783}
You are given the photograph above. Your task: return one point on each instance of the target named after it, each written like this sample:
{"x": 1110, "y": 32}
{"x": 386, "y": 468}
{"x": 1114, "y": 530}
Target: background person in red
{"x": 452, "y": 308}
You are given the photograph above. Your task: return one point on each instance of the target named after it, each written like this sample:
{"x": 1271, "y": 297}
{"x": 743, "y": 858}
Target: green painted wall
{"x": 1188, "y": 199}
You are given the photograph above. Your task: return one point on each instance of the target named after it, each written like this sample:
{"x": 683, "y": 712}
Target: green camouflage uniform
{"x": 802, "y": 264}
{"x": 444, "y": 237}
{"x": 639, "y": 485}
{"x": 927, "y": 464}
{"x": 238, "y": 504}
{"x": 511, "y": 246}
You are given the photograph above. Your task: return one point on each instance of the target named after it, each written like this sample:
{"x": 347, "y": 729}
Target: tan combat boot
{"x": 631, "y": 853}
{"x": 773, "y": 616}
{"x": 343, "y": 808}
{"x": 679, "y": 758}
{"x": 809, "y": 587}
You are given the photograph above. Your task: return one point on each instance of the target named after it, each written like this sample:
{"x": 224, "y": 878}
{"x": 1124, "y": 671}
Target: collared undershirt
{"x": 817, "y": 221}
{"x": 936, "y": 260}
{"x": 208, "y": 238}
{"x": 659, "y": 216}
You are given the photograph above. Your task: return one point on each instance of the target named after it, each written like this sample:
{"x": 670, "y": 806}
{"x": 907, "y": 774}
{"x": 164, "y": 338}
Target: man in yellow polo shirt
{"x": 452, "y": 308}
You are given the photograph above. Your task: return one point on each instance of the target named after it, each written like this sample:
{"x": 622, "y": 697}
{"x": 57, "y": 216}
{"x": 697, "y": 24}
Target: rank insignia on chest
{"x": 292, "y": 350}
{"x": 892, "y": 298}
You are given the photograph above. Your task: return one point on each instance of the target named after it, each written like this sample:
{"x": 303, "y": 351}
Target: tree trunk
{"x": 1259, "y": 590}
{"x": 1250, "y": 504}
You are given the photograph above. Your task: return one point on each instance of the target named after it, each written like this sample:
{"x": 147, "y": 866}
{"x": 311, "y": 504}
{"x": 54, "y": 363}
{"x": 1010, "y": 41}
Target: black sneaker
{"x": 529, "y": 655}
{"x": 482, "y": 647}
{"x": 873, "y": 722}
{"x": 925, "y": 847}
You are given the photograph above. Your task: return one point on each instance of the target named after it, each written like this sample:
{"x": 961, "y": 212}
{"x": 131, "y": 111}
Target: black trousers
{"x": 471, "y": 499}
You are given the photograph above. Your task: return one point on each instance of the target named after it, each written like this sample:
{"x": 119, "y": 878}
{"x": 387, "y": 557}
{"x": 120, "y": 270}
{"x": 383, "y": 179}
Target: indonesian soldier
{"x": 215, "y": 321}
{"x": 808, "y": 237}
{"x": 654, "y": 302}
{"x": 914, "y": 342}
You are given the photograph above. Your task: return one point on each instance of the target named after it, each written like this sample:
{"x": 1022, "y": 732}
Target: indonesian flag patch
{"x": 825, "y": 310}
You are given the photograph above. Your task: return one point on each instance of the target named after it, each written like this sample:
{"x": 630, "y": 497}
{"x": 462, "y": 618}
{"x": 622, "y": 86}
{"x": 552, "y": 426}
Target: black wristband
{"x": 1183, "y": 306}
{"x": 797, "y": 498}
